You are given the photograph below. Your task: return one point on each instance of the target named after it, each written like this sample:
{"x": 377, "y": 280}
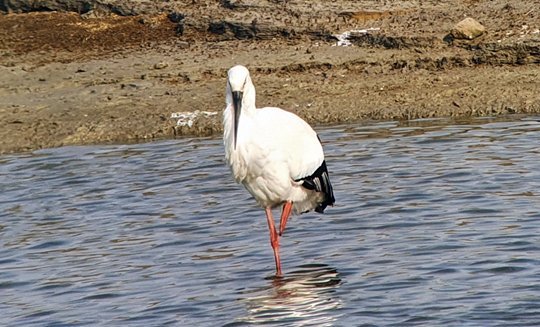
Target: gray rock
{"x": 467, "y": 29}
{"x": 122, "y": 8}
{"x": 19, "y": 6}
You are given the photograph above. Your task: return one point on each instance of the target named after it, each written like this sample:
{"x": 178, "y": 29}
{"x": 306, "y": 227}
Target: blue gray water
{"x": 436, "y": 223}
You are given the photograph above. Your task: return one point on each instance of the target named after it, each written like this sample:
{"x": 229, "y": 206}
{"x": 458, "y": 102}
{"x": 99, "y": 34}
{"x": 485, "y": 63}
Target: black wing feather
{"x": 320, "y": 182}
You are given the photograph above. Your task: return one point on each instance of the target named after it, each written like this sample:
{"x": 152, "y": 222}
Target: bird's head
{"x": 240, "y": 94}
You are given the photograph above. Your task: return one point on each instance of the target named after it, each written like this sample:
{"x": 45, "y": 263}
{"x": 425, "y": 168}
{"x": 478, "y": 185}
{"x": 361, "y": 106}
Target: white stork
{"x": 275, "y": 154}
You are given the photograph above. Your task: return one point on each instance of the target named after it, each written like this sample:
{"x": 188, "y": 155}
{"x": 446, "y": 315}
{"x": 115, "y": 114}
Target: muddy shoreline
{"x": 104, "y": 74}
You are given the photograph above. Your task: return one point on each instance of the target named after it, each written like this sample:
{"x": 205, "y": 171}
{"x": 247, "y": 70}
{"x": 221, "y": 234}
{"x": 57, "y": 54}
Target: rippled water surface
{"x": 436, "y": 223}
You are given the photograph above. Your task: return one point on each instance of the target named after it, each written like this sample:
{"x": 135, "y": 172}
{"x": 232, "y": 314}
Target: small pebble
{"x": 161, "y": 65}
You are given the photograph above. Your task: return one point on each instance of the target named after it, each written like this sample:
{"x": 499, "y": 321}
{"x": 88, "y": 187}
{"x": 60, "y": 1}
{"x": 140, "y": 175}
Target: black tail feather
{"x": 320, "y": 182}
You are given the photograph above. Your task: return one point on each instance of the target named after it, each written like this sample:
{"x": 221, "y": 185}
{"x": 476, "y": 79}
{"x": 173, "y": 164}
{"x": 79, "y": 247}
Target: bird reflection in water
{"x": 304, "y": 297}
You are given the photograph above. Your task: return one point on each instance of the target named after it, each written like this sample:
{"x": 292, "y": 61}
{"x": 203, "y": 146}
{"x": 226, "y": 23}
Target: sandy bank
{"x": 97, "y": 76}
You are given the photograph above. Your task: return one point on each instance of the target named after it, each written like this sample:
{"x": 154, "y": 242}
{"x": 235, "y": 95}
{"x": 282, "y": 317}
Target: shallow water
{"x": 436, "y": 224}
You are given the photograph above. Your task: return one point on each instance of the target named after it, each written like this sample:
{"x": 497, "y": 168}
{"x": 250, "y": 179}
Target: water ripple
{"x": 436, "y": 223}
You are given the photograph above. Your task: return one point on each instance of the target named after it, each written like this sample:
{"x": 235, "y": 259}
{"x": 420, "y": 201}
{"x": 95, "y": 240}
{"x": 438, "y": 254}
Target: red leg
{"x": 285, "y": 214}
{"x": 274, "y": 239}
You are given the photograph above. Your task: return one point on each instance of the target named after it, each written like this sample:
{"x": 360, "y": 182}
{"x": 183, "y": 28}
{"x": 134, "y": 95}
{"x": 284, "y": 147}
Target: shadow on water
{"x": 304, "y": 297}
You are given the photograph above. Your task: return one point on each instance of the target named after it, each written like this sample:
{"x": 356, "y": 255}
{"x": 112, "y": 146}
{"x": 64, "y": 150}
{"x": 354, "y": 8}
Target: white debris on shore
{"x": 187, "y": 118}
{"x": 343, "y": 38}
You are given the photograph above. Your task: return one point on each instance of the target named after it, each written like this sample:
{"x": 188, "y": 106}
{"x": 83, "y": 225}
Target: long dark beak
{"x": 237, "y": 105}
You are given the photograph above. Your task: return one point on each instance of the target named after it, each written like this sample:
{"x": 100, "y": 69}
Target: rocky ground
{"x": 89, "y": 71}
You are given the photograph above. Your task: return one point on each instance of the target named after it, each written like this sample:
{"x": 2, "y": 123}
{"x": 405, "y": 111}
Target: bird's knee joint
{"x": 274, "y": 241}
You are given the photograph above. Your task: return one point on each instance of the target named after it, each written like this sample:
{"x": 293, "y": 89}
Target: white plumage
{"x": 275, "y": 154}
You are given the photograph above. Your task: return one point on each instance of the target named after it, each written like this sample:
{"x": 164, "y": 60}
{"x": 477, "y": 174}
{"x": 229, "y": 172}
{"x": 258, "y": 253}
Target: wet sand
{"x": 107, "y": 75}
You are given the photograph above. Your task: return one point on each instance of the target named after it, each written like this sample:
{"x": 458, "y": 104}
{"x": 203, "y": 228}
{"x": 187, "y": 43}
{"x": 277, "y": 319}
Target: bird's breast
{"x": 239, "y": 166}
